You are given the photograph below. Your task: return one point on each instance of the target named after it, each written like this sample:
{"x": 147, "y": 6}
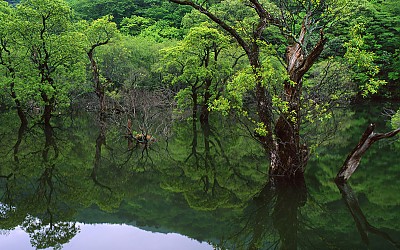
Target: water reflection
{"x": 37, "y": 210}
{"x": 363, "y": 226}
{"x": 207, "y": 182}
{"x": 271, "y": 219}
{"x": 111, "y": 236}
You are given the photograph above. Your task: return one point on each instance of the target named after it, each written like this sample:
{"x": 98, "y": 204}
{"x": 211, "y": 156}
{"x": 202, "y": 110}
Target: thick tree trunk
{"x": 195, "y": 104}
{"x": 17, "y": 144}
{"x": 353, "y": 159}
{"x": 291, "y": 156}
{"x": 264, "y": 102}
{"x": 49, "y": 143}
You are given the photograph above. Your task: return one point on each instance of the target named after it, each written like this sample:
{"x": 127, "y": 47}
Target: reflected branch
{"x": 17, "y": 144}
{"x": 363, "y": 226}
{"x": 100, "y": 141}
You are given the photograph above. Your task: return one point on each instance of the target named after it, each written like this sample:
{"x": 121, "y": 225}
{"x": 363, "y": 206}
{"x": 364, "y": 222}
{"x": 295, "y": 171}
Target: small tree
{"x": 98, "y": 33}
{"x": 199, "y": 67}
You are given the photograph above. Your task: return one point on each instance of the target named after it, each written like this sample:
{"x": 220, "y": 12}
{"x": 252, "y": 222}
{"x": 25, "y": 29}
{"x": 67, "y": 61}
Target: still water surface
{"x": 110, "y": 236}
{"x": 79, "y": 185}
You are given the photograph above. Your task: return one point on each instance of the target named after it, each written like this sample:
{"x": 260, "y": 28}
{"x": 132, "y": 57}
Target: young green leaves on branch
{"x": 362, "y": 62}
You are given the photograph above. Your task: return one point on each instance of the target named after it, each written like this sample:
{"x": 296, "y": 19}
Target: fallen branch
{"x": 354, "y": 158}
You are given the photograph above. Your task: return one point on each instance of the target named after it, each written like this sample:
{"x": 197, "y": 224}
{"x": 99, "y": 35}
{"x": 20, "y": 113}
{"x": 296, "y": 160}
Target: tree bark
{"x": 292, "y": 156}
{"x": 204, "y": 108}
{"x": 17, "y": 144}
{"x": 99, "y": 88}
{"x": 353, "y": 159}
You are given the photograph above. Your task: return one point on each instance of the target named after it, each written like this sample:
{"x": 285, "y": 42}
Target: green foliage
{"x": 48, "y": 61}
{"x": 161, "y": 31}
{"x": 379, "y": 35}
{"x": 362, "y": 62}
{"x": 92, "y": 10}
{"x": 149, "y": 9}
{"x": 135, "y": 24}
{"x": 199, "y": 65}
{"x": 395, "y": 122}
{"x": 98, "y": 31}
{"x": 128, "y": 62}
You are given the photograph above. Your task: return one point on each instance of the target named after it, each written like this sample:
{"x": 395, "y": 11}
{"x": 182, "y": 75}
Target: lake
{"x": 80, "y": 184}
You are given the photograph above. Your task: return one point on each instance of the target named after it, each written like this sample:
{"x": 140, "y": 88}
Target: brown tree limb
{"x": 263, "y": 14}
{"x": 313, "y": 56}
{"x": 354, "y": 158}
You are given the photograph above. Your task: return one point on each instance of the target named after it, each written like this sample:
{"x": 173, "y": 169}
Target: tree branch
{"x": 313, "y": 56}
{"x": 218, "y": 21}
{"x": 354, "y": 158}
{"x": 263, "y": 14}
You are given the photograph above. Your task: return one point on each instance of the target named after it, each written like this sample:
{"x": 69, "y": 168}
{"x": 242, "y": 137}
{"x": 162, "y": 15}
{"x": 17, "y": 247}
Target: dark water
{"x": 78, "y": 185}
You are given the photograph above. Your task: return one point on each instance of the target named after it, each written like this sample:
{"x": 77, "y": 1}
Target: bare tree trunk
{"x": 354, "y": 158}
{"x": 17, "y": 144}
{"x": 48, "y": 108}
{"x": 204, "y": 108}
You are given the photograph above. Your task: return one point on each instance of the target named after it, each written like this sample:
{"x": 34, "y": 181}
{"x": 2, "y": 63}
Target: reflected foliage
{"x": 206, "y": 181}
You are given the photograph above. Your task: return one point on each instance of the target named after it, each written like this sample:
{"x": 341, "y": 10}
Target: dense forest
{"x": 181, "y": 116}
{"x": 281, "y": 68}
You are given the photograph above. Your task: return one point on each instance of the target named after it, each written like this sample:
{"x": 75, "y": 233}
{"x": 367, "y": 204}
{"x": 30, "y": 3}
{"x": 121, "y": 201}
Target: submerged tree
{"x": 254, "y": 25}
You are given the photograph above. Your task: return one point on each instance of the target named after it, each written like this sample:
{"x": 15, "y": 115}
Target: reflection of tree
{"x": 271, "y": 219}
{"x": 149, "y": 116}
{"x": 363, "y": 226}
{"x": 217, "y": 171}
{"x": 6, "y": 198}
{"x": 46, "y": 230}
{"x": 100, "y": 142}
{"x": 44, "y": 234}
{"x": 21, "y": 132}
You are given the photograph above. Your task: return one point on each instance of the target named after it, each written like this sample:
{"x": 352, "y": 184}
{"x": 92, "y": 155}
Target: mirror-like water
{"x": 78, "y": 185}
{"x": 110, "y": 236}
